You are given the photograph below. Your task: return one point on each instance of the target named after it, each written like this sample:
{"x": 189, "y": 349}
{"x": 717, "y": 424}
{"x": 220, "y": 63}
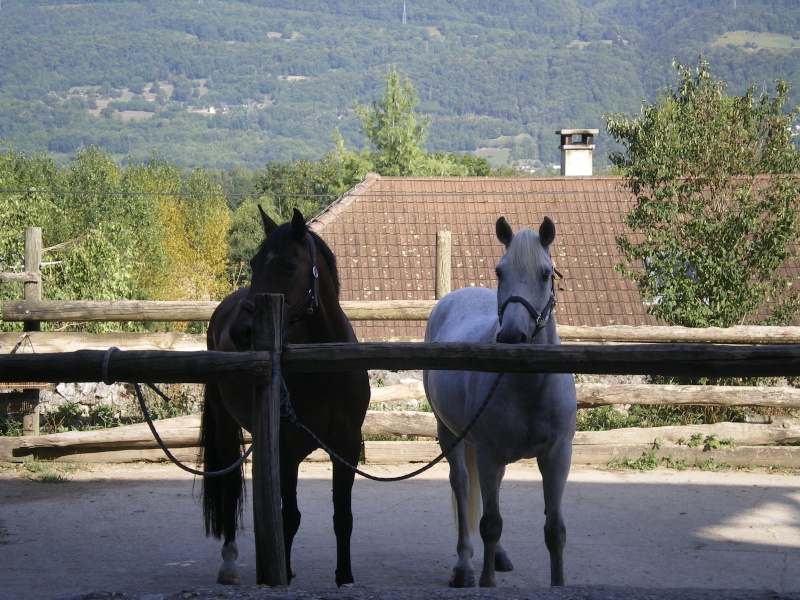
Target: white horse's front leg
{"x": 463, "y": 572}
{"x": 228, "y": 572}
{"x": 554, "y": 469}
{"x": 491, "y": 525}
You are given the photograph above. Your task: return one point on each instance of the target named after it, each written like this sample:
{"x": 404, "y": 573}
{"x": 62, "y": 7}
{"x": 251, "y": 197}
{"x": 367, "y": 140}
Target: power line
{"x": 179, "y": 194}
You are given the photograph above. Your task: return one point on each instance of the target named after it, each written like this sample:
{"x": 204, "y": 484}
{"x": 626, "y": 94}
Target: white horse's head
{"x": 525, "y": 297}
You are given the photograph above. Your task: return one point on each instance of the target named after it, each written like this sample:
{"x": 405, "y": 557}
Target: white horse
{"x": 528, "y": 415}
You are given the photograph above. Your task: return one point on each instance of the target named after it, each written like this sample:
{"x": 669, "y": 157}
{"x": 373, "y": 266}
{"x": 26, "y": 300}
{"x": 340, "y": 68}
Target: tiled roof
{"x": 383, "y": 233}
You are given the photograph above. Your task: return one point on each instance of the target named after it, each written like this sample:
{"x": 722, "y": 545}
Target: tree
{"x": 716, "y": 183}
{"x": 394, "y": 129}
{"x": 195, "y": 224}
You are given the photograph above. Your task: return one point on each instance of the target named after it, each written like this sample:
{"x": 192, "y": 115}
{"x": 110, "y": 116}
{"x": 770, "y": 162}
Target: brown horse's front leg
{"x": 289, "y": 511}
{"x": 343, "y": 519}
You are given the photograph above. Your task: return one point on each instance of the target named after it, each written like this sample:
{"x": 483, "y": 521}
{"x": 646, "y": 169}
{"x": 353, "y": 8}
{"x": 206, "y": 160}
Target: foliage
{"x": 646, "y": 462}
{"x": 142, "y": 231}
{"x": 289, "y": 74}
{"x": 716, "y": 181}
{"x": 10, "y": 424}
{"x": 393, "y": 128}
{"x": 49, "y": 471}
{"x": 67, "y": 417}
{"x": 603, "y": 418}
{"x": 195, "y": 223}
{"x": 245, "y": 234}
{"x": 179, "y": 400}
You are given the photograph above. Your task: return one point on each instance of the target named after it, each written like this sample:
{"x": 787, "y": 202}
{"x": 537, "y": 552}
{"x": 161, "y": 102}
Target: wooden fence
{"x": 751, "y": 439}
{"x": 664, "y": 359}
{"x": 171, "y": 366}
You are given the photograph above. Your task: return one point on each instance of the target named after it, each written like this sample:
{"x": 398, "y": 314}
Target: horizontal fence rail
{"x": 197, "y": 367}
{"x": 22, "y": 277}
{"x": 695, "y": 360}
{"x": 136, "y": 366}
{"x": 80, "y": 311}
{"x": 158, "y": 310}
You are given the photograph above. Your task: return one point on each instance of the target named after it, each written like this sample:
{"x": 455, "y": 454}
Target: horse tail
{"x": 223, "y": 495}
{"x": 474, "y": 505}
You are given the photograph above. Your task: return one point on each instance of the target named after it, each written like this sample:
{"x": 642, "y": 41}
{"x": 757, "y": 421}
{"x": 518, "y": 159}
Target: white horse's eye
{"x": 547, "y": 274}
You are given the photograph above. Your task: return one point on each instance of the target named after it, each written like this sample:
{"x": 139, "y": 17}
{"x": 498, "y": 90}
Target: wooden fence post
{"x": 443, "y": 263}
{"x": 33, "y": 258}
{"x": 32, "y": 291}
{"x": 267, "y": 519}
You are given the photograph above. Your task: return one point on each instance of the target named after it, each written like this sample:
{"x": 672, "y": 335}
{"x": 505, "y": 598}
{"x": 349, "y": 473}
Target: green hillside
{"x": 140, "y": 76}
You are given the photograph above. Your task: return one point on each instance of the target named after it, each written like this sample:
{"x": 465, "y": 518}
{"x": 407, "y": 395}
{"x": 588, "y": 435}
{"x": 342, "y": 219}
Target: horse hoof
{"x": 502, "y": 563}
{"x": 344, "y": 581}
{"x": 462, "y": 579}
{"x": 228, "y": 579}
{"x": 488, "y": 582}
{"x": 347, "y": 585}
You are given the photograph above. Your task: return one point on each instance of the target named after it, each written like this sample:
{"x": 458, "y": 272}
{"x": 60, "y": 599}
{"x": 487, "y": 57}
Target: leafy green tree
{"x": 394, "y": 129}
{"x": 194, "y": 226}
{"x": 114, "y": 233}
{"x": 716, "y": 183}
{"x": 245, "y": 234}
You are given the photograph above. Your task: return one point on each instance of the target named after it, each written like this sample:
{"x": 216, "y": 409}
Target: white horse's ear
{"x": 547, "y": 231}
{"x": 269, "y": 224}
{"x": 298, "y": 226}
{"x": 503, "y": 231}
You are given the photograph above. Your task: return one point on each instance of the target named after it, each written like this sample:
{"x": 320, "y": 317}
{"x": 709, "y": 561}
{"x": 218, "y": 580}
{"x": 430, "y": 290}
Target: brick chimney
{"x": 576, "y": 151}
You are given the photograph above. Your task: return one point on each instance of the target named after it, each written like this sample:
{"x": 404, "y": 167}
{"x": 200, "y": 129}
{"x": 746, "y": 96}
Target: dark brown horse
{"x": 296, "y": 263}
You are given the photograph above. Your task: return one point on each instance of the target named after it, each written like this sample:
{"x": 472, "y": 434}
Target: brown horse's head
{"x": 292, "y": 261}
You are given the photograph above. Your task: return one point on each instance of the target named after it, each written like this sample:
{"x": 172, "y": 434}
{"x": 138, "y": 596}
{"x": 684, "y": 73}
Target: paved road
{"x": 137, "y": 530}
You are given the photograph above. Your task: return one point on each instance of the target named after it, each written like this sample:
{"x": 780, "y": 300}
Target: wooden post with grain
{"x": 267, "y": 519}
{"x": 32, "y": 290}
{"x": 443, "y": 245}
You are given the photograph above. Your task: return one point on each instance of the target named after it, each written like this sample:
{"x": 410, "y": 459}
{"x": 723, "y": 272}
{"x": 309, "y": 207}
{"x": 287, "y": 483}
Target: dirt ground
{"x": 135, "y": 532}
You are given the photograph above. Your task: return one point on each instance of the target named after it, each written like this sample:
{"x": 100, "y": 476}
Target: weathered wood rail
{"x": 32, "y": 310}
{"x": 590, "y": 447}
{"x": 658, "y": 359}
{"x": 80, "y": 311}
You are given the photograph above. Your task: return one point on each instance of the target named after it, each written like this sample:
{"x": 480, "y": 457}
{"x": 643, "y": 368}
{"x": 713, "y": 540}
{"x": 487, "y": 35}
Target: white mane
{"x": 526, "y": 253}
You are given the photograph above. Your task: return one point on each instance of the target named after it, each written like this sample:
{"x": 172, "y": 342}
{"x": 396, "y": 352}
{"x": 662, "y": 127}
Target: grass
{"x": 649, "y": 461}
{"x": 752, "y": 40}
{"x": 646, "y": 462}
{"x": 48, "y": 471}
{"x": 497, "y": 157}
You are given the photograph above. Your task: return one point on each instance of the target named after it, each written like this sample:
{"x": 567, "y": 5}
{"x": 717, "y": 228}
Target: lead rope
{"x": 288, "y": 412}
{"x": 163, "y": 446}
{"x": 159, "y": 441}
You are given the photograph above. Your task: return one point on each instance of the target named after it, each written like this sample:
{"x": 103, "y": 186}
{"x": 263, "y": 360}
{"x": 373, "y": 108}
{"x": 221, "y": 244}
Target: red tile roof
{"x": 383, "y": 233}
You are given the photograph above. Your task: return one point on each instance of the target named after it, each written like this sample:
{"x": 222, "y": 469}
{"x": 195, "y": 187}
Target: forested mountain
{"x": 136, "y": 77}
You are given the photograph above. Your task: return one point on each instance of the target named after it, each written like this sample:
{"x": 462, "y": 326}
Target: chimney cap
{"x": 577, "y": 131}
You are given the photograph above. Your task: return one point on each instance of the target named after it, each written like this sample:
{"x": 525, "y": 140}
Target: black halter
{"x": 306, "y": 306}
{"x": 311, "y": 301}
{"x": 540, "y": 318}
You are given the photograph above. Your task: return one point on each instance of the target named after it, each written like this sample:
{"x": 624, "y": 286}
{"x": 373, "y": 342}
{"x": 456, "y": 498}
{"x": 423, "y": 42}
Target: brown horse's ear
{"x": 503, "y": 231}
{"x": 298, "y": 226}
{"x": 547, "y": 232}
{"x": 269, "y": 224}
